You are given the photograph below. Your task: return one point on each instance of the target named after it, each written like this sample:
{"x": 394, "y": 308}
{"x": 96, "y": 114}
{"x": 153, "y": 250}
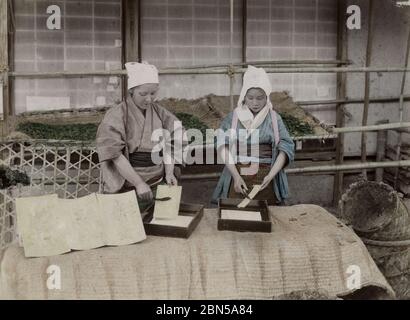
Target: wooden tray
{"x": 245, "y": 225}
{"x": 185, "y": 209}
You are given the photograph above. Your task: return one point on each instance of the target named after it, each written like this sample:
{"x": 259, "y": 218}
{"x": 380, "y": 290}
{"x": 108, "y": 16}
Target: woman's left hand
{"x": 266, "y": 181}
{"x": 171, "y": 180}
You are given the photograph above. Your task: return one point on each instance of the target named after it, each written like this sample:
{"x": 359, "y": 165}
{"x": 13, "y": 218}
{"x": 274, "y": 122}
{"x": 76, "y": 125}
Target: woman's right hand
{"x": 240, "y": 185}
{"x": 144, "y": 192}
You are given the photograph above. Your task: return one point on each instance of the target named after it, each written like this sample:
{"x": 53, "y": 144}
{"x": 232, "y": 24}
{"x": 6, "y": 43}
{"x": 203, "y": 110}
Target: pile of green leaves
{"x": 10, "y": 177}
{"x": 295, "y": 126}
{"x": 87, "y": 131}
{"x": 77, "y": 131}
{"x": 190, "y": 121}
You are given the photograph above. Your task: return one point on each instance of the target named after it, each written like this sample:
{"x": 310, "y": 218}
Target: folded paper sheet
{"x": 123, "y": 219}
{"x": 41, "y": 224}
{"x": 251, "y": 195}
{"x": 83, "y": 224}
{"x": 51, "y": 226}
{"x": 241, "y": 215}
{"x": 167, "y": 209}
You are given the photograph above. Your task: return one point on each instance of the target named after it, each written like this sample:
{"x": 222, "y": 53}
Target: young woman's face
{"x": 255, "y": 99}
{"x": 145, "y": 94}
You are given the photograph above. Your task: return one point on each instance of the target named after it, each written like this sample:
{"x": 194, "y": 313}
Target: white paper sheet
{"x": 241, "y": 215}
{"x": 83, "y": 223}
{"x": 122, "y": 218}
{"x": 179, "y": 221}
{"x": 41, "y": 227}
{"x": 167, "y": 209}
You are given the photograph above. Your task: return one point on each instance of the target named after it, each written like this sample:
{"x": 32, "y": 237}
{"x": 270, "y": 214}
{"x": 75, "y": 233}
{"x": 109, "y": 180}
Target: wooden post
{"x": 401, "y": 109}
{"x": 244, "y": 29}
{"x": 11, "y": 32}
{"x": 4, "y": 63}
{"x": 341, "y": 95}
{"x": 131, "y": 33}
{"x": 139, "y": 29}
{"x": 231, "y": 75}
{"x": 367, "y": 83}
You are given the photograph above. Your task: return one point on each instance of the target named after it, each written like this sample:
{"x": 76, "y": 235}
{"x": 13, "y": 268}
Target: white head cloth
{"x": 141, "y": 73}
{"x": 253, "y": 78}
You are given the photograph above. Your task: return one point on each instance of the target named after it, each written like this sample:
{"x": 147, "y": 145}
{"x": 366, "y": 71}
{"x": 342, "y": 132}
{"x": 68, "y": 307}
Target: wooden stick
{"x": 374, "y": 127}
{"x": 341, "y": 95}
{"x": 244, "y": 31}
{"x": 139, "y": 30}
{"x": 231, "y": 84}
{"x": 231, "y": 75}
{"x": 381, "y": 150}
{"x": 351, "y": 101}
{"x": 367, "y": 84}
{"x": 4, "y": 61}
{"x": 271, "y": 63}
{"x": 315, "y": 169}
{"x": 346, "y": 167}
{"x": 401, "y": 107}
{"x": 83, "y": 74}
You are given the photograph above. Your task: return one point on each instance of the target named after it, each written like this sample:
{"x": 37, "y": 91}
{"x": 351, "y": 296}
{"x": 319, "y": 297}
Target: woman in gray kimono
{"x": 254, "y": 118}
{"x": 124, "y": 141}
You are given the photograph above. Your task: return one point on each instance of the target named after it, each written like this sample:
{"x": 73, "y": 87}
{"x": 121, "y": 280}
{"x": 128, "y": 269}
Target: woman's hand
{"x": 266, "y": 181}
{"x": 144, "y": 192}
{"x": 171, "y": 180}
{"x": 277, "y": 166}
{"x": 239, "y": 185}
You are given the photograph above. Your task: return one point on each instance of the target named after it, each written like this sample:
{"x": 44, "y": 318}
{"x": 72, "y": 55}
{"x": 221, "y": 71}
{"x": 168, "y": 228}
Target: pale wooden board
{"x": 256, "y": 188}
{"x": 241, "y": 215}
{"x": 167, "y": 209}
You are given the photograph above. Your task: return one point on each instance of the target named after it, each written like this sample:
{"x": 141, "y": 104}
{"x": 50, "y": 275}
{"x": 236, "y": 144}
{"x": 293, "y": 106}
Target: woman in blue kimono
{"x": 254, "y": 124}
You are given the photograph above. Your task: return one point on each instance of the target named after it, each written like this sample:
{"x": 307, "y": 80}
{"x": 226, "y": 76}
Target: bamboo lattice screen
{"x": 67, "y": 168}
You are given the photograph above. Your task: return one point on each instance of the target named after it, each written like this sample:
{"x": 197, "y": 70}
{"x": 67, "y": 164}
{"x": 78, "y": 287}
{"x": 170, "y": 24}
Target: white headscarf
{"x": 253, "y": 78}
{"x": 141, "y": 73}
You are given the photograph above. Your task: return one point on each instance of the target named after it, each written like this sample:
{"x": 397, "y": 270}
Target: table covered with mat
{"x": 308, "y": 250}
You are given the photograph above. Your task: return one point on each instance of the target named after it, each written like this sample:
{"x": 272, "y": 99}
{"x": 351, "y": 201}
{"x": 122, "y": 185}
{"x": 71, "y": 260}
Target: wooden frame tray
{"x": 245, "y": 225}
{"x": 185, "y": 209}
